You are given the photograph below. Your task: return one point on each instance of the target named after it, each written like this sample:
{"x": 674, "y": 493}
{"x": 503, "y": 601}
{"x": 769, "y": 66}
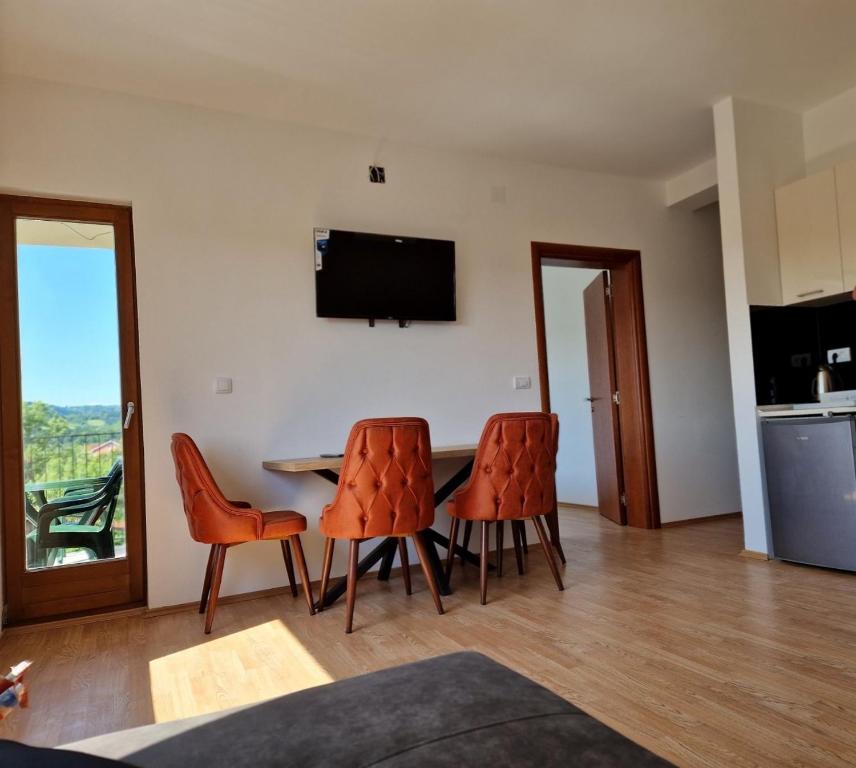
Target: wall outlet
{"x": 840, "y": 355}
{"x": 522, "y": 382}
{"x": 222, "y": 385}
{"x": 377, "y": 174}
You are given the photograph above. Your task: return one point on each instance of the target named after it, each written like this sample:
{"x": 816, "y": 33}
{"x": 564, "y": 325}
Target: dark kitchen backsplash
{"x": 789, "y": 343}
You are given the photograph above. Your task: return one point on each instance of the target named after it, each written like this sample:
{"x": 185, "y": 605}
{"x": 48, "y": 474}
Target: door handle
{"x": 810, "y": 293}
{"x": 129, "y": 414}
{"x": 591, "y": 399}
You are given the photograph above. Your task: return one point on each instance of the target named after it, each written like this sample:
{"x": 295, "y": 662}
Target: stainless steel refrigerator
{"x": 811, "y": 487}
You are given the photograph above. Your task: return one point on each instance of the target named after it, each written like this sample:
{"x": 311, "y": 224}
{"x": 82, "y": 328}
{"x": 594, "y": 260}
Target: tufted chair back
{"x": 212, "y": 519}
{"x": 386, "y": 486}
{"x": 514, "y": 469}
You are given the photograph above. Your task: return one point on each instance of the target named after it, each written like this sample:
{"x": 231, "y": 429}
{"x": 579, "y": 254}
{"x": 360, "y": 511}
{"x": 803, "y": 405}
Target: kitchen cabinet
{"x": 809, "y": 245}
{"x": 845, "y": 183}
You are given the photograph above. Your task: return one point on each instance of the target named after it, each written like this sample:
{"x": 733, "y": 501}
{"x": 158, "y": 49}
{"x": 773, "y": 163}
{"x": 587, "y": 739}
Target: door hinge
{"x": 616, "y": 397}
{"x": 609, "y": 290}
{"x": 623, "y": 499}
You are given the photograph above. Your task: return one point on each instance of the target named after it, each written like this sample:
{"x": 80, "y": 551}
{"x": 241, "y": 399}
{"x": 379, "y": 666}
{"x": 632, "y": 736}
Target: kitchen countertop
{"x": 808, "y": 409}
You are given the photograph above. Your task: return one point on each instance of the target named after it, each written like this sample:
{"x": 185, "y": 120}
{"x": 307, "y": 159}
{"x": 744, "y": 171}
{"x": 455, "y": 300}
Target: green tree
{"x": 40, "y": 422}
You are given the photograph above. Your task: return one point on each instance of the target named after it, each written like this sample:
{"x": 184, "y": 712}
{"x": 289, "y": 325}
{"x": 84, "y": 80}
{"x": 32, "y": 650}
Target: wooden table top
{"x": 313, "y": 463}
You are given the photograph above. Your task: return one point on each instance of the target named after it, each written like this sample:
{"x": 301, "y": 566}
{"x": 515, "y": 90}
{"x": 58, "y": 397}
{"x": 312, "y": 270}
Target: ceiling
{"x": 76, "y": 234}
{"x": 618, "y": 86}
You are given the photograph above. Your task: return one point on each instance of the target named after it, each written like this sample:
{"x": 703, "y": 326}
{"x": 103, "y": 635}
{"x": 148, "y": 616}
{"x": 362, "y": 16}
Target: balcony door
{"x": 70, "y": 417}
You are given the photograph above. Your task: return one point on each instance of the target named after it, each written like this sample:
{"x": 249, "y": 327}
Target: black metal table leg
{"x": 386, "y": 561}
{"x": 434, "y": 538}
{"x": 385, "y": 551}
{"x": 453, "y": 483}
{"x": 338, "y": 589}
{"x": 438, "y": 538}
{"x": 327, "y": 474}
{"x": 434, "y": 559}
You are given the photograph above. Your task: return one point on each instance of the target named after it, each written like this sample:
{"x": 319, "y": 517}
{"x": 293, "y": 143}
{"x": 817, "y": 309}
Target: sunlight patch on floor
{"x": 243, "y": 667}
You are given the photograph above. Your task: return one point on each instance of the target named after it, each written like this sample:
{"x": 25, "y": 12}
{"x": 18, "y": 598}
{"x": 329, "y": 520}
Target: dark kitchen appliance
{"x": 811, "y": 487}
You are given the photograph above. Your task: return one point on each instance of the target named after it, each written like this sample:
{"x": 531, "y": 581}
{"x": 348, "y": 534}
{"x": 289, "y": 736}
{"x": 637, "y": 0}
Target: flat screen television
{"x": 383, "y": 277}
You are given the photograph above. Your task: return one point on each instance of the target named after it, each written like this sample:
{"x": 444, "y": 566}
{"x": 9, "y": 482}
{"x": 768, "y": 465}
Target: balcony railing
{"x": 65, "y": 457}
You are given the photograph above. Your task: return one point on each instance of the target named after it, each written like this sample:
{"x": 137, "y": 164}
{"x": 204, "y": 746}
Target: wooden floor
{"x": 669, "y": 636}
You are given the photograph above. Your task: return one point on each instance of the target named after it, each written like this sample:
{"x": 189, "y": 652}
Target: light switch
{"x": 222, "y": 385}
{"x": 841, "y": 355}
{"x": 522, "y": 382}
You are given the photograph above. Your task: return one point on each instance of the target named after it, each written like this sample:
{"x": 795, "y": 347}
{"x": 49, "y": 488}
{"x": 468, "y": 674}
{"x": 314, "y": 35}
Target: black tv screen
{"x": 361, "y": 275}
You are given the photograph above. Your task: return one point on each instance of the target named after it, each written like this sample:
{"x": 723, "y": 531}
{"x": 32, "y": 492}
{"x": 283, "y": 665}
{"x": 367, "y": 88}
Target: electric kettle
{"x": 822, "y": 382}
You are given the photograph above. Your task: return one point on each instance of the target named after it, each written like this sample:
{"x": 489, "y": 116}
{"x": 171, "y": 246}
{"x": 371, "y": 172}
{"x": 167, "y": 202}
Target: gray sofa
{"x": 456, "y": 710}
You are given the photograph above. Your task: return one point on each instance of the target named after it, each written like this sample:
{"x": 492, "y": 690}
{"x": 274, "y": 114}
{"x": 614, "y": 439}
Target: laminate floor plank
{"x": 669, "y": 636}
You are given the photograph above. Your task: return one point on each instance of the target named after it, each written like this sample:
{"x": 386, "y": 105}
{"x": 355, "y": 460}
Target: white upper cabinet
{"x": 845, "y": 182}
{"x": 809, "y": 244}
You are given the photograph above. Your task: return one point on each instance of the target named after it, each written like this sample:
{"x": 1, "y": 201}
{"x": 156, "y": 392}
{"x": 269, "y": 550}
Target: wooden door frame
{"x": 631, "y": 361}
{"x": 11, "y": 458}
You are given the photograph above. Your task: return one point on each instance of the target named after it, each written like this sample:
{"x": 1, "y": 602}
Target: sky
{"x": 68, "y": 322}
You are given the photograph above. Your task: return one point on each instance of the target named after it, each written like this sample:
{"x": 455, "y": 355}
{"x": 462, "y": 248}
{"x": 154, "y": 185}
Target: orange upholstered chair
{"x": 385, "y": 488}
{"x": 215, "y": 520}
{"x": 513, "y": 479}
{"x": 553, "y": 517}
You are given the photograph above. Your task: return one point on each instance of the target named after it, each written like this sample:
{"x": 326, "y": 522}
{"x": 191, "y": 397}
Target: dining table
{"x": 384, "y": 553}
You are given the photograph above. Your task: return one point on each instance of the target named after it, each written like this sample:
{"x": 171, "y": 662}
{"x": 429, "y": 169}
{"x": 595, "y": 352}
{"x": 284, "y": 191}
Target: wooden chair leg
{"x": 548, "y": 551}
{"x": 303, "y": 571}
{"x": 453, "y": 541}
{"x": 325, "y": 571}
{"x": 468, "y": 529}
{"x": 206, "y": 585}
{"x": 289, "y": 566}
{"x": 405, "y": 564}
{"x": 518, "y": 547}
{"x": 485, "y": 546}
{"x": 500, "y": 540}
{"x": 216, "y": 578}
{"x": 555, "y": 539}
{"x": 523, "y": 542}
{"x": 426, "y": 569}
{"x": 353, "y": 559}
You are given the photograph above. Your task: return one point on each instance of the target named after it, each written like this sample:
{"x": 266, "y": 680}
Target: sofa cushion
{"x": 460, "y": 709}
{"x": 22, "y": 756}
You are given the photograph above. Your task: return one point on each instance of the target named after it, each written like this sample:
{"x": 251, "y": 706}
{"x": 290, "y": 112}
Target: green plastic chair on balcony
{"x": 81, "y": 518}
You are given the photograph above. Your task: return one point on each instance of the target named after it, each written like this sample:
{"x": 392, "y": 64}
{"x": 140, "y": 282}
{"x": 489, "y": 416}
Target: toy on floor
{"x": 13, "y": 689}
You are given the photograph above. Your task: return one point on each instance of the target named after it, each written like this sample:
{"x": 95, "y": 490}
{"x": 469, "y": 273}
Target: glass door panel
{"x": 71, "y": 413}
{"x": 71, "y": 459}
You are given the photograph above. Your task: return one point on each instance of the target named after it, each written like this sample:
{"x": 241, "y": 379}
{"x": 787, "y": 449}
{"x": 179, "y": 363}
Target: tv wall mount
{"x": 401, "y": 323}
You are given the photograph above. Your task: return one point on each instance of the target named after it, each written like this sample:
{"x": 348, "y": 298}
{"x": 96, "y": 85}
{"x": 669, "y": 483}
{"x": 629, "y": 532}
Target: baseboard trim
{"x": 259, "y": 594}
{"x": 582, "y": 507}
{"x": 165, "y": 610}
{"x": 694, "y": 520}
{"x": 239, "y": 597}
{"x": 753, "y": 555}
{"x": 71, "y": 621}
{"x": 508, "y": 552}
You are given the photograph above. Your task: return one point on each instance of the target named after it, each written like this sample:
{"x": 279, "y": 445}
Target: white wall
{"x": 567, "y": 369}
{"x": 224, "y": 207}
{"x": 695, "y": 188}
{"x": 830, "y": 132}
{"x": 758, "y": 148}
